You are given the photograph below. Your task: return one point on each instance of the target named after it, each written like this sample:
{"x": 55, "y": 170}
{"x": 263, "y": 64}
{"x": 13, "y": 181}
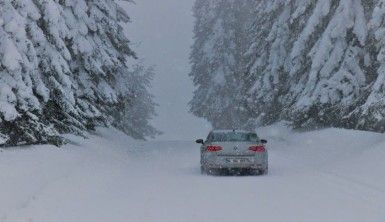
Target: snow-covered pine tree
{"x": 264, "y": 80}
{"x": 61, "y": 62}
{"x": 308, "y": 23}
{"x": 313, "y": 64}
{"x": 136, "y": 106}
{"x": 217, "y": 60}
{"x": 21, "y": 85}
{"x": 336, "y": 77}
{"x": 270, "y": 74}
{"x": 371, "y": 115}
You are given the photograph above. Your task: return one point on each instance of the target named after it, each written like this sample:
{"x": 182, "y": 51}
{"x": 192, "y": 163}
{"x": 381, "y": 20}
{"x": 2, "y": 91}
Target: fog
{"x": 161, "y": 34}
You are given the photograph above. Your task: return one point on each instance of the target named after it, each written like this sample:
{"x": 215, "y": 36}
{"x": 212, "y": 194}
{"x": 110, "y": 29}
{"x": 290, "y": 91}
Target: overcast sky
{"x": 161, "y": 33}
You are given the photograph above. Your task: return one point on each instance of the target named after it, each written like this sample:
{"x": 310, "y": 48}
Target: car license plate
{"x": 238, "y": 160}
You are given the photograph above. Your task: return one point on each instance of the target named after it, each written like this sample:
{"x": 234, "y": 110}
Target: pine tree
{"x": 336, "y": 76}
{"x": 264, "y": 79}
{"x": 310, "y": 62}
{"x": 307, "y": 23}
{"x": 314, "y": 63}
{"x": 371, "y": 115}
{"x": 22, "y": 87}
{"x": 136, "y": 106}
{"x": 217, "y": 60}
{"x": 61, "y": 66}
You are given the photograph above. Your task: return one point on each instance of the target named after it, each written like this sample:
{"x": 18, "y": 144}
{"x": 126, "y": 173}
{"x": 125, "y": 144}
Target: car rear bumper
{"x": 256, "y": 164}
{"x": 235, "y": 166}
{"x": 223, "y": 163}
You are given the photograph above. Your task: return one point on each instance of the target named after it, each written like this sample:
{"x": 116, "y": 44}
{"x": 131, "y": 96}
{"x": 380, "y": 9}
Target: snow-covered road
{"x": 328, "y": 175}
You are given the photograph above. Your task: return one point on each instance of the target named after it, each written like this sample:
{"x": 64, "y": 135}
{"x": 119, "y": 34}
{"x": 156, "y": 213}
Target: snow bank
{"x": 46, "y": 183}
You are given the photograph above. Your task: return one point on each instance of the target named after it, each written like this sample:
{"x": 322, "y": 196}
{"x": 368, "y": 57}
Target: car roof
{"x": 231, "y": 131}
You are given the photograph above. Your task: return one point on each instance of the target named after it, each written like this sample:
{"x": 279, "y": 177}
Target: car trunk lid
{"x": 235, "y": 149}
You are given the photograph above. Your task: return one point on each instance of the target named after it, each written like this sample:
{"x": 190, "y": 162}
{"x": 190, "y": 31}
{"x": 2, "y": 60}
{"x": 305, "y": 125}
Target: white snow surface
{"x": 326, "y": 175}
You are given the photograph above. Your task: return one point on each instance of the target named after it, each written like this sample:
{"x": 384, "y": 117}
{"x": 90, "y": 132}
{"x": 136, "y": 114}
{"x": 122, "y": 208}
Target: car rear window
{"x": 233, "y": 137}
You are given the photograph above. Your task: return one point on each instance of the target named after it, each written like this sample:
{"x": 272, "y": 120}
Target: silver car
{"x": 233, "y": 151}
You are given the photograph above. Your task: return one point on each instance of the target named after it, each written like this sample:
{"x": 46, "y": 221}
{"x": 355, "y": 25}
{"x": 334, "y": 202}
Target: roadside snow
{"x": 326, "y": 175}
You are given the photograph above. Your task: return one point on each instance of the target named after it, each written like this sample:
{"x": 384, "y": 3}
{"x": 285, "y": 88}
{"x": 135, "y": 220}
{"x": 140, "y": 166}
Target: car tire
{"x": 203, "y": 170}
{"x": 212, "y": 171}
{"x": 264, "y": 172}
{"x": 255, "y": 172}
{"x": 259, "y": 172}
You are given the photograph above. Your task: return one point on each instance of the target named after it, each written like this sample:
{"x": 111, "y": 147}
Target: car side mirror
{"x": 200, "y": 141}
{"x": 263, "y": 141}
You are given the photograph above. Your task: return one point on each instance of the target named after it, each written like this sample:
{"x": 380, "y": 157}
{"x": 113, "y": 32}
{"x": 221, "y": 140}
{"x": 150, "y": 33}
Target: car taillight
{"x": 213, "y": 148}
{"x": 258, "y": 149}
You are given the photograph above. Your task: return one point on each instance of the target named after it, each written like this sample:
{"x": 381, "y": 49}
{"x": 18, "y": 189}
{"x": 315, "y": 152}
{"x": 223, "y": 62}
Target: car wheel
{"x": 203, "y": 170}
{"x": 212, "y": 171}
{"x": 255, "y": 172}
{"x": 265, "y": 171}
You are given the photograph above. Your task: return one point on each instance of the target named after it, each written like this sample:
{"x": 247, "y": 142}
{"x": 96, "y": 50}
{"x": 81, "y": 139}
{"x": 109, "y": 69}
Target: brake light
{"x": 213, "y": 148}
{"x": 258, "y": 149}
